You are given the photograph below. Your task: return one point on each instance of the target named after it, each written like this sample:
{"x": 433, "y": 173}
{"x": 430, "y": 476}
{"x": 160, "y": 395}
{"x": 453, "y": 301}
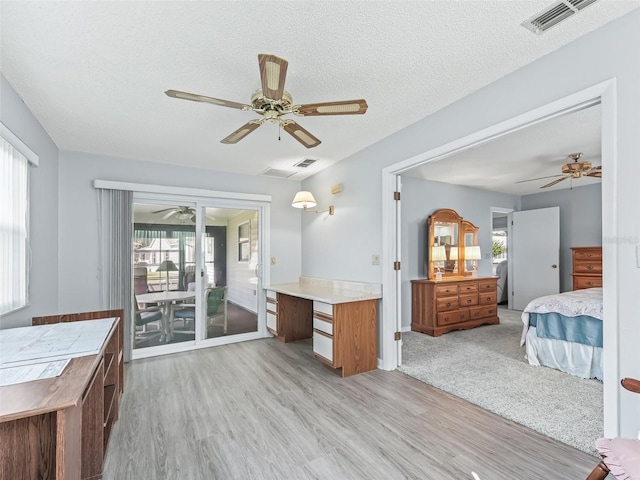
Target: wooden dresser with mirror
{"x": 453, "y": 297}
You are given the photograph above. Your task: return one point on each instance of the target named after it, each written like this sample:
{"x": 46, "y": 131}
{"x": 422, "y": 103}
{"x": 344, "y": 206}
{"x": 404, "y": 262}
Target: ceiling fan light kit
{"x": 273, "y": 102}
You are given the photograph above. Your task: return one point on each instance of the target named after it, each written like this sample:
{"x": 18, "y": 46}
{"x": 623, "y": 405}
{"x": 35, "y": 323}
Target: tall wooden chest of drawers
{"x": 587, "y": 267}
{"x": 454, "y": 303}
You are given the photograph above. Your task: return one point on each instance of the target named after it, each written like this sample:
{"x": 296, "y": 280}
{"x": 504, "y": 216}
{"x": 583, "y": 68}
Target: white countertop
{"x": 329, "y": 291}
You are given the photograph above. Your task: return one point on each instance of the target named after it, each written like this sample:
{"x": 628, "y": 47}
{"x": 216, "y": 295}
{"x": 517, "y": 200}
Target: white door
{"x": 535, "y": 255}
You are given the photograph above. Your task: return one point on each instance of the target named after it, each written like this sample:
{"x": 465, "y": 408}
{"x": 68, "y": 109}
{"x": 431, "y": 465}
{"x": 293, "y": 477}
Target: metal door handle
{"x": 554, "y": 266}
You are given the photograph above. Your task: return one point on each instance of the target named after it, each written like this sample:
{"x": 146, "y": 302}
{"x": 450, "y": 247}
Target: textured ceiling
{"x": 537, "y": 151}
{"x": 94, "y": 73}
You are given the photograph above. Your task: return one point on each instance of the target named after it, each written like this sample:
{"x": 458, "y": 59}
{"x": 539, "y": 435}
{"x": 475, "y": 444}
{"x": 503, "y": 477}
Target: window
{"x": 15, "y": 159}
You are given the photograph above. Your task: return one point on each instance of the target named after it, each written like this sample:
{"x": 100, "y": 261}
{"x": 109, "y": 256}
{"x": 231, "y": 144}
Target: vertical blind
{"x": 14, "y": 227}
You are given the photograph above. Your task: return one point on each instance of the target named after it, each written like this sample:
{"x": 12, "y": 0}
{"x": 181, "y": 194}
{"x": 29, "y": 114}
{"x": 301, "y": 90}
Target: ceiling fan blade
{"x": 539, "y": 178}
{"x": 164, "y": 210}
{"x": 345, "y": 107}
{"x": 551, "y": 184}
{"x": 169, "y": 214}
{"x": 273, "y": 72}
{"x": 595, "y": 172}
{"x": 300, "y": 134}
{"x": 201, "y": 98}
{"x": 242, "y": 132}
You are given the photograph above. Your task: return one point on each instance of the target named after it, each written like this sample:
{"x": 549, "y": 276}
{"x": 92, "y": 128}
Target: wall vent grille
{"x": 277, "y": 173}
{"x": 553, "y": 15}
{"x": 305, "y": 163}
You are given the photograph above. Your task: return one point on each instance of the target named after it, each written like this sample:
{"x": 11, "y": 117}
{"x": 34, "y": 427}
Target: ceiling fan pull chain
{"x": 279, "y": 125}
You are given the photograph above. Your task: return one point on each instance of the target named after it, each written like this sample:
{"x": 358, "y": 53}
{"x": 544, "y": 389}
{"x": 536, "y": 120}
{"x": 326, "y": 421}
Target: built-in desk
{"x": 57, "y": 428}
{"x": 341, "y": 317}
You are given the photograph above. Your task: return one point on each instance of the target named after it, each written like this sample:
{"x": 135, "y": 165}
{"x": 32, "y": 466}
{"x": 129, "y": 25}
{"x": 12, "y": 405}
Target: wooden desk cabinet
{"x": 344, "y": 334}
{"x": 454, "y": 303}
{"x": 58, "y": 428}
{"x": 587, "y": 267}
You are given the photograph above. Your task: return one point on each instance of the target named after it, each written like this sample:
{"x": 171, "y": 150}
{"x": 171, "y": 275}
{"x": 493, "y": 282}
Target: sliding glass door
{"x": 195, "y": 274}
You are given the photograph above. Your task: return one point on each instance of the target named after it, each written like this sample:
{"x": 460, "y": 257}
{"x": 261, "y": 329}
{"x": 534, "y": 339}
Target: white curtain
{"x": 115, "y": 234}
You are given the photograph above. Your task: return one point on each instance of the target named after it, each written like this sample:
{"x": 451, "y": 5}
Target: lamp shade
{"x": 167, "y": 266}
{"x": 472, "y": 253}
{"x": 438, "y": 253}
{"x": 453, "y": 253}
{"x": 303, "y": 199}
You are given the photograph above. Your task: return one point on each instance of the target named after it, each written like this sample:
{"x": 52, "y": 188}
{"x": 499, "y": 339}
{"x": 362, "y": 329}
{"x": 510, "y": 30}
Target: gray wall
{"x": 78, "y": 252}
{"x": 341, "y": 246}
{"x": 580, "y": 221}
{"x": 420, "y": 198}
{"x": 43, "y": 291}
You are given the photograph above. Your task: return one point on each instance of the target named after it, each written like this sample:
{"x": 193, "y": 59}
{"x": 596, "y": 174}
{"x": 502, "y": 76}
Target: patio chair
{"x": 620, "y": 456}
{"x": 216, "y": 303}
{"x": 143, "y": 316}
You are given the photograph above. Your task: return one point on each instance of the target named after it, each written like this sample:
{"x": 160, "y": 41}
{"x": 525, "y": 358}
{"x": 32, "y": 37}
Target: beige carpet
{"x": 486, "y": 366}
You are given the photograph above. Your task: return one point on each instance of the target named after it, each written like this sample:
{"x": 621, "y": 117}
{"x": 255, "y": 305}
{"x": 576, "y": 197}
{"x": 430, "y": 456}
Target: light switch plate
{"x": 638, "y": 256}
{"x": 375, "y": 259}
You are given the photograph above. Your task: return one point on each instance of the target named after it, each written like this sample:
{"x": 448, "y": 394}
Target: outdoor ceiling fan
{"x": 272, "y": 102}
{"x": 572, "y": 170}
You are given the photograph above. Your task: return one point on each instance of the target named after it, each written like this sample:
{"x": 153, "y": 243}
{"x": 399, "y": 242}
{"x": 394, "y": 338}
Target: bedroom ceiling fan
{"x": 181, "y": 213}
{"x": 272, "y": 102}
{"x": 572, "y": 170}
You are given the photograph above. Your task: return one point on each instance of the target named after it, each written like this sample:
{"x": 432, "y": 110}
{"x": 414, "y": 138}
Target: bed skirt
{"x": 574, "y": 358}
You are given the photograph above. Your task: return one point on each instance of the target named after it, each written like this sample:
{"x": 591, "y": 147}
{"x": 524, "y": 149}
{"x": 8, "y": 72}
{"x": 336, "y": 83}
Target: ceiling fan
{"x": 272, "y": 102}
{"x": 181, "y": 213}
{"x": 572, "y": 170}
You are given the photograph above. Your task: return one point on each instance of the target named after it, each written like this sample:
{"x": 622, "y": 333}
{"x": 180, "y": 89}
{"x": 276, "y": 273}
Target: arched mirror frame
{"x": 464, "y": 228}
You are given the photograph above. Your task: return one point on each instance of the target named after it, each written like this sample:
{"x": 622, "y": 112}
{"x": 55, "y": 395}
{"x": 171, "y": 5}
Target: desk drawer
{"x": 447, "y": 303}
{"x": 322, "y": 307}
{"x": 272, "y": 321}
{"x": 323, "y": 346}
{"x": 456, "y": 316}
{"x": 323, "y": 325}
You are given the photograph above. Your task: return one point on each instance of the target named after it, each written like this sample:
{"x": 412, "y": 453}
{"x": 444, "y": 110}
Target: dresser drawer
{"x": 592, "y": 254}
{"x": 487, "y": 286}
{"x": 323, "y": 346}
{"x": 486, "y": 298}
{"x": 455, "y": 316}
{"x": 323, "y": 324}
{"x": 446, "y": 303}
{"x": 468, "y": 299}
{"x": 446, "y": 290}
{"x": 481, "y": 312}
{"x": 584, "y": 266}
{"x": 586, "y": 282}
{"x": 468, "y": 288}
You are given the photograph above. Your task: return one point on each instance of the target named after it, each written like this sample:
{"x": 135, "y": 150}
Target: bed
{"x": 564, "y": 332}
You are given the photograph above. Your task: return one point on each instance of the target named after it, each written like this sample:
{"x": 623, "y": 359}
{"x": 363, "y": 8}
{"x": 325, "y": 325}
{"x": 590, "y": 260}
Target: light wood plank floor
{"x": 268, "y": 410}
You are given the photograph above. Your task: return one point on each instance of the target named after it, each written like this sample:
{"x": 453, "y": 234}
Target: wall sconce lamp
{"x": 438, "y": 254}
{"x": 305, "y": 201}
{"x": 473, "y": 253}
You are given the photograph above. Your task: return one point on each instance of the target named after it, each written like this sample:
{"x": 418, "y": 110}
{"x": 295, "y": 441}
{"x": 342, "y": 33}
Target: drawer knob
{"x": 448, "y": 304}
{"x": 589, "y": 267}
{"x": 468, "y": 300}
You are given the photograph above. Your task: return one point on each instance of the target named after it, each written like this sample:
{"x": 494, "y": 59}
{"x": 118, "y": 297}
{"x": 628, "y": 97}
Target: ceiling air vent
{"x": 305, "y": 163}
{"x": 277, "y": 173}
{"x": 553, "y": 15}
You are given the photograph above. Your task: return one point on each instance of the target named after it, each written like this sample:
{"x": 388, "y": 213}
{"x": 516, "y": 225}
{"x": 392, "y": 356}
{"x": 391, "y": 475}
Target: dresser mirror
{"x": 449, "y": 234}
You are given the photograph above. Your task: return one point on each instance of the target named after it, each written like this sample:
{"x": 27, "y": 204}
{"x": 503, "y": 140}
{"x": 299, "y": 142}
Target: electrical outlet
{"x": 375, "y": 259}
{"x": 273, "y": 260}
